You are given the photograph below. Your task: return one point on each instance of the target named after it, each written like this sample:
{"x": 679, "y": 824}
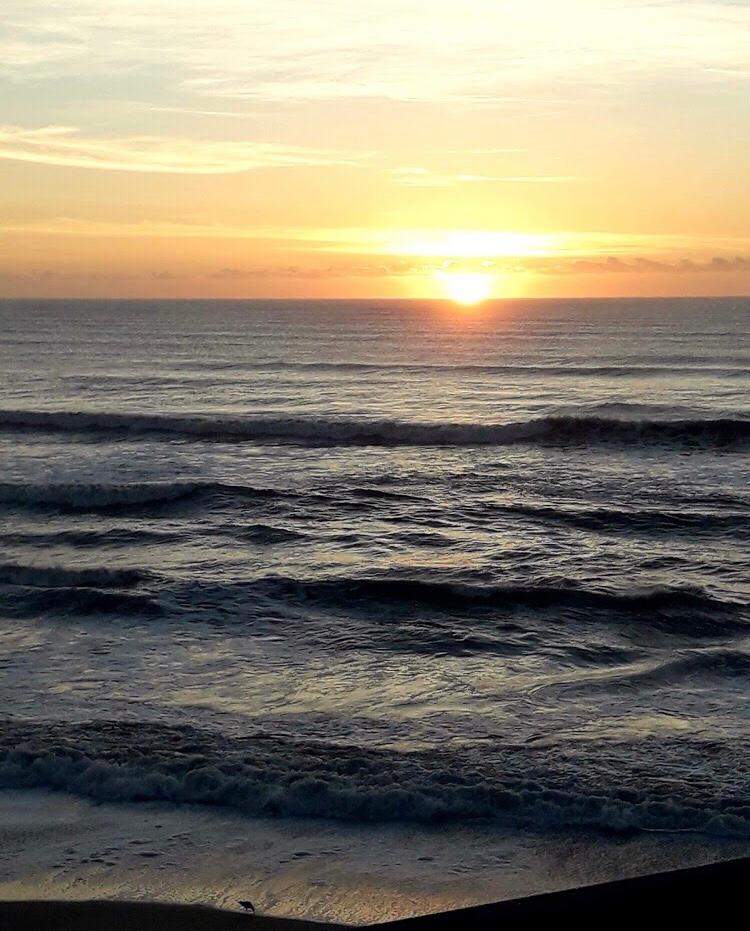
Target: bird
{"x": 248, "y": 906}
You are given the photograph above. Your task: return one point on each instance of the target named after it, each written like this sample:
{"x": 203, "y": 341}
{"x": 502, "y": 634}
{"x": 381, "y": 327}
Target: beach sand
{"x": 58, "y": 848}
{"x": 695, "y": 895}
{"x": 54, "y": 846}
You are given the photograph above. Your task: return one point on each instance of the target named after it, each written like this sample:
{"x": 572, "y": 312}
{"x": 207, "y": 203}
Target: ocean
{"x": 381, "y": 562}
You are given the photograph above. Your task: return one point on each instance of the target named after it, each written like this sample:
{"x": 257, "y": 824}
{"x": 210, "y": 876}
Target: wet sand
{"x": 689, "y": 896}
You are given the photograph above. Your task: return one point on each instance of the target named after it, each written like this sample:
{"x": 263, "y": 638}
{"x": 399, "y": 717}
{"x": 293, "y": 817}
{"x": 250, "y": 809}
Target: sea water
{"x": 381, "y": 563}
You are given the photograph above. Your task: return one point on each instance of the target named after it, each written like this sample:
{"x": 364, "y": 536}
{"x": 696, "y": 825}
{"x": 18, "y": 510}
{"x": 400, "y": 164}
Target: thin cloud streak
{"x": 62, "y": 145}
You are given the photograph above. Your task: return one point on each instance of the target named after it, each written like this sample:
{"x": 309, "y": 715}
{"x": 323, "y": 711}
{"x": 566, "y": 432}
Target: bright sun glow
{"x": 465, "y": 288}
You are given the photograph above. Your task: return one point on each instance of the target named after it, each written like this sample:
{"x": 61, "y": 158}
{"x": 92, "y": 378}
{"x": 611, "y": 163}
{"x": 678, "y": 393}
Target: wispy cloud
{"x": 393, "y": 268}
{"x": 68, "y": 146}
{"x": 64, "y": 145}
{"x": 421, "y": 50}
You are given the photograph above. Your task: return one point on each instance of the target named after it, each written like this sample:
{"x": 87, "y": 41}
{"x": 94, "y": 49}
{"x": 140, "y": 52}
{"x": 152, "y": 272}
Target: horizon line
{"x": 389, "y": 299}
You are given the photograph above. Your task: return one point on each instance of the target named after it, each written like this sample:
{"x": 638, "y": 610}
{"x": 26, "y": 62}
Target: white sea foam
{"x": 264, "y": 776}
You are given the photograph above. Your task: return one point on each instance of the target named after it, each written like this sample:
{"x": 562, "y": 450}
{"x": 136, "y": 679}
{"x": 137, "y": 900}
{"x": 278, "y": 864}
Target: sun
{"x": 465, "y": 288}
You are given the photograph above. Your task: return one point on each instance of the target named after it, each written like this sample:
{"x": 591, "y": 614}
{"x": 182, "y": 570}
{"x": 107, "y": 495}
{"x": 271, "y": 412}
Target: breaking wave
{"x": 272, "y": 776}
{"x": 568, "y": 429}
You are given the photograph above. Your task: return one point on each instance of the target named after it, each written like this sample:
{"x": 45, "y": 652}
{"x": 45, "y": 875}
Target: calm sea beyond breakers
{"x": 381, "y": 563}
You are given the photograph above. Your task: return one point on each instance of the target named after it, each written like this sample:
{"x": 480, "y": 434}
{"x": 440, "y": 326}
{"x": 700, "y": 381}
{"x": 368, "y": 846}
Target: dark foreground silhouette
{"x": 685, "y": 898}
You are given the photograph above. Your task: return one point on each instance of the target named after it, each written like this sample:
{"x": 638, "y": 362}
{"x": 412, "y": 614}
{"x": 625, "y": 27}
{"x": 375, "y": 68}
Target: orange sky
{"x": 404, "y": 149}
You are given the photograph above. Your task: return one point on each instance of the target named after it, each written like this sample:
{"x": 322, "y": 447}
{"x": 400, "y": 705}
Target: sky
{"x": 397, "y": 148}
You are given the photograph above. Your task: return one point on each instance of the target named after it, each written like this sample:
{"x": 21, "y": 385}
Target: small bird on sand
{"x": 248, "y": 906}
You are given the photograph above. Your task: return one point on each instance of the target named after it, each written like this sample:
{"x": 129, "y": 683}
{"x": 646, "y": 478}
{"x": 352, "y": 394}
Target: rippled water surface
{"x": 381, "y": 561}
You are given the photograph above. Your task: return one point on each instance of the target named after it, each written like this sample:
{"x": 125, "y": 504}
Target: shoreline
{"x": 697, "y": 892}
{"x": 58, "y": 847}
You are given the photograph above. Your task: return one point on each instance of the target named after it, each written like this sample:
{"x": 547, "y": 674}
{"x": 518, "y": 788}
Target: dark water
{"x": 381, "y": 561}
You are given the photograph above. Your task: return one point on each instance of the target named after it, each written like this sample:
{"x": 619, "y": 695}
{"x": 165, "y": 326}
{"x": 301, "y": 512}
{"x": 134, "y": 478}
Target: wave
{"x": 457, "y": 618}
{"x": 58, "y": 577}
{"x": 572, "y": 370}
{"x": 606, "y": 520}
{"x": 714, "y": 666}
{"x": 611, "y": 787}
{"x": 94, "y": 539}
{"x": 114, "y": 498}
{"x": 381, "y": 494}
{"x": 267, "y": 535}
{"x": 708, "y": 499}
{"x": 725, "y": 663}
{"x": 566, "y": 429}
{"x": 78, "y": 601}
{"x": 43, "y": 588}
{"x": 360, "y": 593}
{"x": 717, "y": 665}
{"x": 413, "y": 614}
{"x": 34, "y": 590}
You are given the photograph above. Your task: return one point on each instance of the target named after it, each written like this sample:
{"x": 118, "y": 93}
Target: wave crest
{"x": 81, "y": 496}
{"x": 34, "y": 590}
{"x": 79, "y": 601}
{"x": 648, "y": 521}
{"x": 567, "y": 429}
{"x": 58, "y": 577}
{"x": 441, "y": 595}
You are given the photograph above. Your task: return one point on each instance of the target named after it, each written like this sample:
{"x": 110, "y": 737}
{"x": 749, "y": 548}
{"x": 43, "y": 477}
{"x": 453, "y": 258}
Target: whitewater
{"x": 382, "y": 566}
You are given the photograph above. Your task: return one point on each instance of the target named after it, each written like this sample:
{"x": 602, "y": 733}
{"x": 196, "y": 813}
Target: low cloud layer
{"x": 396, "y": 267}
